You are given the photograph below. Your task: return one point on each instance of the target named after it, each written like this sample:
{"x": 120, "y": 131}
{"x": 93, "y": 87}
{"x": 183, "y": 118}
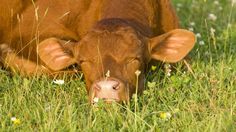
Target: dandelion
{"x": 212, "y": 17}
{"x": 153, "y": 68}
{"x": 15, "y": 121}
{"x": 59, "y": 82}
{"x": 165, "y": 115}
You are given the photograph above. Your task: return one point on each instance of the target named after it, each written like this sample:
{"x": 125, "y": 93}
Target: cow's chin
{"x": 109, "y": 90}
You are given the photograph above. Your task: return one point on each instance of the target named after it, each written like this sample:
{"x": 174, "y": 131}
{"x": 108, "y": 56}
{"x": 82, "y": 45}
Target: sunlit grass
{"x": 202, "y": 98}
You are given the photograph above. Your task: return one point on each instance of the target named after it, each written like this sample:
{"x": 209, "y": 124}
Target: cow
{"x": 112, "y": 41}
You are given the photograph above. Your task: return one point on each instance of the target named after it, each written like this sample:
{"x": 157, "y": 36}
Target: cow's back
{"x": 72, "y": 19}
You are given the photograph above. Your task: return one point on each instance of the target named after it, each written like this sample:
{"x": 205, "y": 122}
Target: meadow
{"x": 201, "y": 97}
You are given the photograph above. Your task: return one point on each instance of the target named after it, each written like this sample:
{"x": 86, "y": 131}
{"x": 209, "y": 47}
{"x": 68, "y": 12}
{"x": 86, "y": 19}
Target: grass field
{"x": 203, "y": 99}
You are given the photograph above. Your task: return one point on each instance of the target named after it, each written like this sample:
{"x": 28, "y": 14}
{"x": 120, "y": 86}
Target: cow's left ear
{"x": 56, "y": 54}
{"x": 172, "y": 46}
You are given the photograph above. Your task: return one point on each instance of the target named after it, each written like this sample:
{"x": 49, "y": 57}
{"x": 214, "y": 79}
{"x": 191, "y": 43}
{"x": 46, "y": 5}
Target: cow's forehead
{"x": 118, "y": 45}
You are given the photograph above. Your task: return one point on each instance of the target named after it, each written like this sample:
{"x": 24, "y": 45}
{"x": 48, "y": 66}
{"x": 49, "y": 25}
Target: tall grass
{"x": 201, "y": 100}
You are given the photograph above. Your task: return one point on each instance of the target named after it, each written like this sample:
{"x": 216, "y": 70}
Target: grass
{"x": 202, "y": 100}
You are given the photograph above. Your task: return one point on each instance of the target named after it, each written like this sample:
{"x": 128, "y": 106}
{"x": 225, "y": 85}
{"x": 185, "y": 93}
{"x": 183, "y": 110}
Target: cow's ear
{"x": 56, "y": 54}
{"x": 172, "y": 46}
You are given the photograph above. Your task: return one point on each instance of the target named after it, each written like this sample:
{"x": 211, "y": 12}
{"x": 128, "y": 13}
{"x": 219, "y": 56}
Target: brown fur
{"x": 46, "y": 36}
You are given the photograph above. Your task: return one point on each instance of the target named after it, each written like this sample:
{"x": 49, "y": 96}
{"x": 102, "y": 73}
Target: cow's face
{"x": 111, "y": 61}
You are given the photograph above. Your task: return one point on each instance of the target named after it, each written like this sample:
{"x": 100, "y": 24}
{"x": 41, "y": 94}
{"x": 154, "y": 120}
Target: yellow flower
{"x": 154, "y": 68}
{"x": 165, "y": 115}
{"x": 15, "y": 121}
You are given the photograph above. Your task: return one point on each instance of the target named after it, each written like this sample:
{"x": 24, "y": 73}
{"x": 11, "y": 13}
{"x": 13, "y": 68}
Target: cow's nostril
{"x": 115, "y": 87}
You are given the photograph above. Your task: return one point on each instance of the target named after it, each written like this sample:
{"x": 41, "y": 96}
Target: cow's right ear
{"x": 171, "y": 46}
{"x": 56, "y": 54}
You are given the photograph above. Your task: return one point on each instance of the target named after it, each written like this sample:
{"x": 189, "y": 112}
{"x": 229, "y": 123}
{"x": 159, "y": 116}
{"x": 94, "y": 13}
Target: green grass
{"x": 202, "y": 100}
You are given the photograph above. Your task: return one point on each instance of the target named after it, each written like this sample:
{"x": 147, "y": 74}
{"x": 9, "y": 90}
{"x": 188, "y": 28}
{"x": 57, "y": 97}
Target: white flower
{"x": 233, "y": 2}
{"x": 192, "y": 24}
{"x": 216, "y": 2}
{"x": 59, "y": 82}
{"x": 190, "y": 29}
{"x": 220, "y": 8}
{"x": 201, "y": 43}
{"x": 212, "y": 17}
{"x": 138, "y": 72}
{"x": 13, "y": 118}
{"x": 179, "y": 5}
{"x": 168, "y": 74}
{"x": 212, "y": 30}
{"x": 198, "y": 35}
{"x": 95, "y": 100}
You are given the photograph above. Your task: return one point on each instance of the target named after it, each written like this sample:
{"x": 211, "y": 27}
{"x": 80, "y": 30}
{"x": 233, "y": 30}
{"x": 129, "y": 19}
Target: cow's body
{"x": 25, "y": 25}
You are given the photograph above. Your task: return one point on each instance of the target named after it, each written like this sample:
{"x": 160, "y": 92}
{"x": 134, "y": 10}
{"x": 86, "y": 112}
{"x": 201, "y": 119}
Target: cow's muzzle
{"x": 108, "y": 90}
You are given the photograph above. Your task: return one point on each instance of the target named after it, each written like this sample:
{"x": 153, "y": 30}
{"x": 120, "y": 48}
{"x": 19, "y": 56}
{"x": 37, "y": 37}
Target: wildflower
{"x": 165, "y": 115}
{"x": 198, "y": 35}
{"x": 138, "y": 72}
{"x": 168, "y": 74}
{"x": 213, "y": 30}
{"x": 192, "y": 24}
{"x": 95, "y": 100}
{"x": 168, "y": 69}
{"x": 201, "y": 43}
{"x": 15, "y": 121}
{"x": 233, "y": 2}
{"x": 154, "y": 68}
{"x": 59, "y": 82}
{"x": 229, "y": 25}
{"x": 216, "y": 2}
{"x": 220, "y": 8}
{"x": 179, "y": 5}
{"x": 191, "y": 29}
{"x": 212, "y": 17}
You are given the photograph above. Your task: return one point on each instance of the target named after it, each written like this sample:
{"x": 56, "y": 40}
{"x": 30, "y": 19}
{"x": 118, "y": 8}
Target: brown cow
{"x": 115, "y": 37}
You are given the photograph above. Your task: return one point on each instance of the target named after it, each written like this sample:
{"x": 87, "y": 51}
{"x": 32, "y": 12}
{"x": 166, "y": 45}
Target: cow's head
{"x": 109, "y": 57}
